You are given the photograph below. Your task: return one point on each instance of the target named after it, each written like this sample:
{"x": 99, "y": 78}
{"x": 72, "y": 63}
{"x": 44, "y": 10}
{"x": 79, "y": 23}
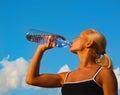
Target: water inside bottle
{"x": 41, "y": 37}
{"x": 63, "y": 43}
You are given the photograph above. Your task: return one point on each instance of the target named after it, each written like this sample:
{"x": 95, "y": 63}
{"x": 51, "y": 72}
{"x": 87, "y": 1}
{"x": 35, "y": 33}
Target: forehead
{"x": 86, "y": 32}
{"x": 83, "y": 33}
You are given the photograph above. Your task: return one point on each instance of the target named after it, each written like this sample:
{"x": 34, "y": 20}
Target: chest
{"x": 80, "y": 75}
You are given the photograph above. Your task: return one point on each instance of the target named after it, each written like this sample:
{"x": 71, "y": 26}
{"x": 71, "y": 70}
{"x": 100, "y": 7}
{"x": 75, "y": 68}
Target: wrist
{"x": 41, "y": 49}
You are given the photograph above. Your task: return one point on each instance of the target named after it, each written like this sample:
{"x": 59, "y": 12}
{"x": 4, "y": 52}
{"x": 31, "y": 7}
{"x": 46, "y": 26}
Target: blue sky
{"x": 64, "y": 17}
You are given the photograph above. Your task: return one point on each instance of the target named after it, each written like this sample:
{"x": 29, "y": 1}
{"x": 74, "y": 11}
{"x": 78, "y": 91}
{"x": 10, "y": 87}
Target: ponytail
{"x": 105, "y": 61}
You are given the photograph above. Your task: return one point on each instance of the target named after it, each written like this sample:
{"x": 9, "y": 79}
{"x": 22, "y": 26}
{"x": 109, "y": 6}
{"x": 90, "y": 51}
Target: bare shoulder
{"x": 108, "y": 76}
{"x": 107, "y": 72}
{"x": 108, "y": 81}
{"x": 63, "y": 76}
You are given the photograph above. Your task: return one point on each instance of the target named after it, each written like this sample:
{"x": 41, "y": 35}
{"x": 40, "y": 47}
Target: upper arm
{"x": 109, "y": 82}
{"x": 49, "y": 80}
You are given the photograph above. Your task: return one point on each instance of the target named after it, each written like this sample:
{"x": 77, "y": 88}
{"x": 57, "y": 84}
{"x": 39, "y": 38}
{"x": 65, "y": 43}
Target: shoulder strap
{"x": 99, "y": 69}
{"x": 66, "y": 76}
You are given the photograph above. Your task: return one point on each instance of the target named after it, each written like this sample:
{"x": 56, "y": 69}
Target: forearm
{"x": 33, "y": 75}
{"x": 33, "y": 70}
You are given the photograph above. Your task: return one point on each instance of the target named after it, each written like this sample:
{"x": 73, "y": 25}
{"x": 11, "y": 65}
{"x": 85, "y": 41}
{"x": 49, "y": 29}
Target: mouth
{"x": 70, "y": 45}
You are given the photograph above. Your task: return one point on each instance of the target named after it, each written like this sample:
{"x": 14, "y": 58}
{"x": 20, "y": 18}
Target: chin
{"x": 73, "y": 51}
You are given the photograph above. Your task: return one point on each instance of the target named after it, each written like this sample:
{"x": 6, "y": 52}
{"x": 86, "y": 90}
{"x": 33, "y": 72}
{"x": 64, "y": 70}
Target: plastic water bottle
{"x": 41, "y": 37}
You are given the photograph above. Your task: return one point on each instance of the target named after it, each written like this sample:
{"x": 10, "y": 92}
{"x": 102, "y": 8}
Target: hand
{"x": 50, "y": 44}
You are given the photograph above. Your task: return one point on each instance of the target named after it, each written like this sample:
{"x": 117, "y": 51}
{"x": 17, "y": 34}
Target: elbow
{"x": 29, "y": 81}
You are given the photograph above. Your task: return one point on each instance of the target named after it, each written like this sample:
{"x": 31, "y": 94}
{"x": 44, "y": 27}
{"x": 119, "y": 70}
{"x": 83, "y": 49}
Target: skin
{"x": 86, "y": 69}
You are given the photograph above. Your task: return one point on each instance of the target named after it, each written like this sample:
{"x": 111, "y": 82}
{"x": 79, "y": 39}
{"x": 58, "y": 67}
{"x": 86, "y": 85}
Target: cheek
{"x": 75, "y": 46}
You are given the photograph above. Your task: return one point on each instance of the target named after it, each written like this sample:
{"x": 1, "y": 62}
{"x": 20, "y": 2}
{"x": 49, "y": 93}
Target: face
{"x": 79, "y": 43}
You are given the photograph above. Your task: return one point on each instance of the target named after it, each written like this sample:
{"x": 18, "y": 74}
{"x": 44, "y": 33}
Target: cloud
{"x": 12, "y": 74}
{"x": 64, "y": 68}
{"x": 117, "y": 73}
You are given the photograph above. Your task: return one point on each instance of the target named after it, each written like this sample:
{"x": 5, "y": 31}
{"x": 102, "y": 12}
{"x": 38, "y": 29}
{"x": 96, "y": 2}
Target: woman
{"x": 94, "y": 76}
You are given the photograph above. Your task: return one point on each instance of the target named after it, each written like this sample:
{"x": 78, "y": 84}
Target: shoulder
{"x": 107, "y": 76}
{"x": 63, "y": 75}
{"x": 107, "y": 72}
{"x": 108, "y": 81}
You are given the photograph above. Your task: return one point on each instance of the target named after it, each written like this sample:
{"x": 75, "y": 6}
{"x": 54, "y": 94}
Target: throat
{"x": 87, "y": 65}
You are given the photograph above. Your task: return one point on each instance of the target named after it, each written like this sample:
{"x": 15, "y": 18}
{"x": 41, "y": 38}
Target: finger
{"x": 49, "y": 42}
{"x": 49, "y": 39}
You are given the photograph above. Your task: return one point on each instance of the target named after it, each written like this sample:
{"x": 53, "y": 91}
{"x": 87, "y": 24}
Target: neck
{"x": 86, "y": 60}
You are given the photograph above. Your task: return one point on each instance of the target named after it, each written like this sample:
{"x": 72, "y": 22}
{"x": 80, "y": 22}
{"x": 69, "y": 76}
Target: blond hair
{"x": 99, "y": 48}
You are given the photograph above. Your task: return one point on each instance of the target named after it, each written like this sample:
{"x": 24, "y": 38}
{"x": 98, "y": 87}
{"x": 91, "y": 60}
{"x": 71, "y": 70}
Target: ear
{"x": 89, "y": 43}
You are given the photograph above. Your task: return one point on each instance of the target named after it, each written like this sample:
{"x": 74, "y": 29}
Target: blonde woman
{"x": 94, "y": 75}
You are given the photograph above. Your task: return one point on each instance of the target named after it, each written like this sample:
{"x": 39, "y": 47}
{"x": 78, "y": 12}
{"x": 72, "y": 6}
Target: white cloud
{"x": 12, "y": 74}
{"x": 64, "y": 68}
{"x": 117, "y": 73}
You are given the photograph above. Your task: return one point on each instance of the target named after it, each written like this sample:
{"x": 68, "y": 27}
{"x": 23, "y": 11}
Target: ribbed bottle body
{"x": 41, "y": 37}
